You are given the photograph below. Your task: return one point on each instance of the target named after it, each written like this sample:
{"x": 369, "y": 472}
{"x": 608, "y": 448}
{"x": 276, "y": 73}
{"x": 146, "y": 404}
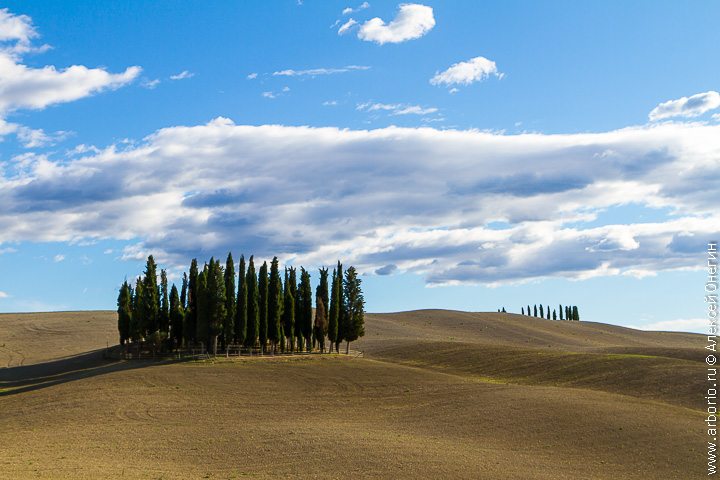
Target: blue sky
{"x": 461, "y": 154}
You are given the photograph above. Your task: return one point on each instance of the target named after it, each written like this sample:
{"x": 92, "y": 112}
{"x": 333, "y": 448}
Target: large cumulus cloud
{"x": 423, "y": 200}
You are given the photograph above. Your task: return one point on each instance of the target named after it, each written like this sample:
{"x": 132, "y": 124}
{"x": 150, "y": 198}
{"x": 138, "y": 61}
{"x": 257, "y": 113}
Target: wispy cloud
{"x": 697, "y": 325}
{"x": 58, "y": 258}
{"x": 182, "y": 75}
{"x": 252, "y": 76}
{"x": 346, "y": 26}
{"x": 3, "y": 294}
{"x": 150, "y": 84}
{"x": 692, "y": 106}
{"x": 412, "y": 21}
{"x": 312, "y": 72}
{"x": 396, "y": 108}
{"x": 349, "y": 10}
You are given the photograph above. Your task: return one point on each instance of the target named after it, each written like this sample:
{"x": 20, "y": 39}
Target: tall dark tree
{"x": 304, "y": 316}
{"x": 289, "y": 313}
{"x": 575, "y": 313}
{"x": 263, "y": 305}
{"x": 522, "y": 310}
{"x": 124, "y": 310}
{"x": 528, "y": 310}
{"x": 353, "y": 318}
{"x": 547, "y": 312}
{"x": 151, "y": 298}
{"x": 321, "y": 322}
{"x": 323, "y": 289}
{"x": 253, "y": 315}
{"x": 230, "y": 302}
{"x": 203, "y": 310}
{"x": 560, "y": 311}
{"x": 275, "y": 304}
{"x": 535, "y": 311}
{"x": 183, "y": 292}
{"x": 554, "y": 314}
{"x": 542, "y": 315}
{"x": 503, "y": 310}
{"x": 190, "y": 326}
{"x": 335, "y": 308}
{"x": 164, "y": 318}
{"x": 176, "y": 317}
{"x": 216, "y": 302}
{"x": 241, "y": 312}
{"x": 138, "y": 310}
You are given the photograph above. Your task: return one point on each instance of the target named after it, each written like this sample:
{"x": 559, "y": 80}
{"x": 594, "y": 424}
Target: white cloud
{"x": 150, "y": 84}
{"x": 58, "y": 258}
{"x": 3, "y": 294}
{"x": 319, "y": 71}
{"x": 25, "y": 87}
{"x": 697, "y": 325}
{"x": 464, "y": 73}
{"x": 269, "y": 95}
{"x": 418, "y": 198}
{"x": 412, "y": 21}
{"x": 693, "y": 106}
{"x": 330, "y": 103}
{"x": 396, "y": 108}
{"x": 252, "y": 76}
{"x": 346, "y": 26}
{"x": 182, "y": 75}
{"x": 349, "y": 10}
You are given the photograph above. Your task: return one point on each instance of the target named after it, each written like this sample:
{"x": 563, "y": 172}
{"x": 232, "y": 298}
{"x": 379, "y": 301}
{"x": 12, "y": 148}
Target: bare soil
{"x": 438, "y": 394}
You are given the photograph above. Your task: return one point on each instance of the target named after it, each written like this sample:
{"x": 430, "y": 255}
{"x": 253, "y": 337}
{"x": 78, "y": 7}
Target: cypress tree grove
{"x": 288, "y": 314}
{"x": 176, "y": 317}
{"x": 252, "y": 305}
{"x": 124, "y": 304}
{"x": 164, "y": 317}
{"x": 263, "y": 305}
{"x": 151, "y": 300}
{"x": 230, "y": 302}
{"x": 241, "y": 317}
{"x": 190, "y": 326}
{"x": 305, "y": 314}
{"x": 354, "y": 308}
{"x": 275, "y": 305}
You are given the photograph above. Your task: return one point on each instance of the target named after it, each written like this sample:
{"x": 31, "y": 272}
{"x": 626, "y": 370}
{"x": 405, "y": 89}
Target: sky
{"x": 463, "y": 155}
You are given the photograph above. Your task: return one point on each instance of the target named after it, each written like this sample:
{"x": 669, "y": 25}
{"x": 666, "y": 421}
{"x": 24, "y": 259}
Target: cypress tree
{"x": 535, "y": 311}
{"x": 242, "y": 305}
{"x": 323, "y": 290}
{"x": 289, "y": 313}
{"x": 353, "y": 320}
{"x": 547, "y": 312}
{"x": 554, "y": 314}
{"x": 230, "y": 302}
{"x": 542, "y": 315}
{"x": 503, "y": 310}
{"x": 183, "y": 292}
{"x": 151, "y": 298}
{"x": 124, "y": 310}
{"x": 575, "y": 314}
{"x": 336, "y": 308}
{"x": 263, "y": 305}
{"x": 216, "y": 303}
{"x": 567, "y": 313}
{"x": 164, "y": 319}
{"x": 176, "y": 317}
{"x": 321, "y": 322}
{"x": 528, "y": 311}
{"x": 275, "y": 304}
{"x": 190, "y": 327}
{"x": 560, "y": 311}
{"x": 305, "y": 313}
{"x": 253, "y": 317}
{"x": 201, "y": 334}
{"x": 136, "y": 321}
{"x": 522, "y": 310}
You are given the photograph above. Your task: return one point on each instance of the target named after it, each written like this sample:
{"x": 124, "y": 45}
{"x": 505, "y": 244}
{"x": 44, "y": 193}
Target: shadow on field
{"x": 15, "y": 380}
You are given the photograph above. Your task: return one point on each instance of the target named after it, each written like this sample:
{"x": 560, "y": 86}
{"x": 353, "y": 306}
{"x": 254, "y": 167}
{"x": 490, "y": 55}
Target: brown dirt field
{"x": 439, "y": 394}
